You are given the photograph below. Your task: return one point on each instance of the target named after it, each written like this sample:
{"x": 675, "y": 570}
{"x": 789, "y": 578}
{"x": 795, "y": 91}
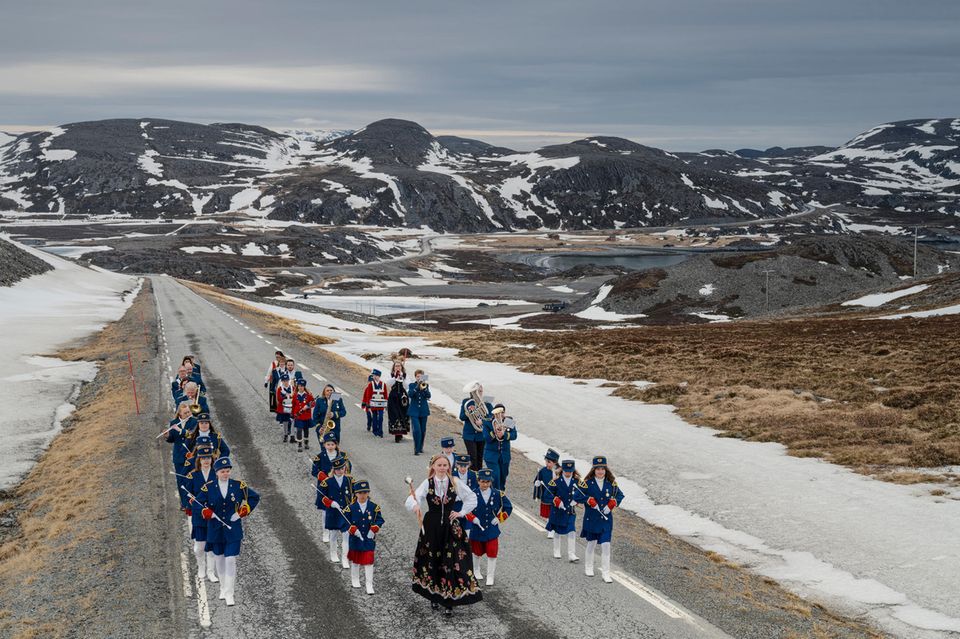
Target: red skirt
{"x": 545, "y": 511}
{"x": 488, "y": 548}
{"x": 360, "y": 557}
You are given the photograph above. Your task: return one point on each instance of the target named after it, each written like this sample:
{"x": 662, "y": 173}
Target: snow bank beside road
{"x": 39, "y": 315}
{"x": 867, "y": 547}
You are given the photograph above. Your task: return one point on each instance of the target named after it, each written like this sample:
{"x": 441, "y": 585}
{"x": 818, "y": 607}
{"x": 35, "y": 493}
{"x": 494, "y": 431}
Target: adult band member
{"x": 284, "y": 403}
{"x": 272, "y": 379}
{"x": 181, "y": 426}
{"x": 337, "y": 491}
{"x": 194, "y": 482}
{"x": 474, "y": 413}
{"x": 226, "y": 502}
{"x": 193, "y": 372}
{"x": 497, "y": 434}
{"x": 303, "y": 404}
{"x": 547, "y": 473}
{"x": 398, "y": 422}
{"x": 599, "y": 494}
{"x": 375, "y": 401}
{"x": 177, "y": 384}
{"x": 329, "y": 407}
{"x": 322, "y": 469}
{"x": 563, "y": 518}
{"x": 419, "y": 409}
{"x": 492, "y": 509}
{"x": 443, "y": 565}
{"x": 365, "y": 522}
{"x": 191, "y": 395}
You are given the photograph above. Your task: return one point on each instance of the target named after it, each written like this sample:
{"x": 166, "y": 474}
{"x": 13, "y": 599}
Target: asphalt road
{"x": 286, "y": 584}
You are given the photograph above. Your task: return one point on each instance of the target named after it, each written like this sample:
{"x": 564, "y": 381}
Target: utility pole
{"x": 766, "y": 290}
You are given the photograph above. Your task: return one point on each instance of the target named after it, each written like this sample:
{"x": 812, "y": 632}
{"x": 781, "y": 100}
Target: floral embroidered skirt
{"x": 443, "y": 564}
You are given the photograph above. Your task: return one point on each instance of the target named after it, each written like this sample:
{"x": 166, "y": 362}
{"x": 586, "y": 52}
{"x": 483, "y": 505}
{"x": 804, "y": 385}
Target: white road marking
{"x": 306, "y": 368}
{"x": 318, "y": 377}
{"x": 344, "y": 393}
{"x": 203, "y": 608}
{"x": 268, "y": 342}
{"x": 359, "y": 406}
{"x": 187, "y": 591}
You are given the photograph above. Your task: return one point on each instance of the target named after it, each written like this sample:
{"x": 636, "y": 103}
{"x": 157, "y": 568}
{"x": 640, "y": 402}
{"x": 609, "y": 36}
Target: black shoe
{"x": 306, "y": 444}
{"x": 300, "y": 448}
{"x": 448, "y": 612}
{"x": 285, "y": 438}
{"x": 434, "y": 605}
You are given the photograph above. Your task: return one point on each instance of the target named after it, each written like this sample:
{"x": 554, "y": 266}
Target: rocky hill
{"x": 16, "y": 264}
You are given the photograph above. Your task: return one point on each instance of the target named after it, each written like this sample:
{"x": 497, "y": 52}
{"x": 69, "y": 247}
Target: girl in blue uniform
{"x": 323, "y": 468}
{"x": 563, "y": 518}
{"x": 492, "y": 509}
{"x": 194, "y": 482}
{"x": 545, "y": 475}
{"x": 205, "y": 429}
{"x": 365, "y": 523}
{"x": 497, "y": 435}
{"x": 181, "y": 426}
{"x": 337, "y": 412}
{"x": 337, "y": 495}
{"x": 599, "y": 494}
{"x": 226, "y": 502}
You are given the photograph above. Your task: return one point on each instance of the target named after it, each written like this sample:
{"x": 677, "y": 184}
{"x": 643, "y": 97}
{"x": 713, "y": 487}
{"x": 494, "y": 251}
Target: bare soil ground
{"x": 76, "y": 538}
{"x": 880, "y": 397}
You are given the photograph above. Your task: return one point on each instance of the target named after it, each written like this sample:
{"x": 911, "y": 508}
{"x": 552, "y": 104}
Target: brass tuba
{"x": 195, "y": 409}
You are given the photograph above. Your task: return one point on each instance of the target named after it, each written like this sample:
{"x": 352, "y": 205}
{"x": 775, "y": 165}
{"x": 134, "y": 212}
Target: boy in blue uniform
{"x": 337, "y": 495}
{"x": 337, "y": 411}
{"x": 474, "y": 422}
{"x": 226, "y": 502}
{"x": 492, "y": 509}
{"x": 599, "y": 494}
{"x": 545, "y": 475}
{"x": 464, "y": 472}
{"x": 563, "y": 518}
{"x": 446, "y": 447}
{"x": 418, "y": 410}
{"x": 365, "y": 523}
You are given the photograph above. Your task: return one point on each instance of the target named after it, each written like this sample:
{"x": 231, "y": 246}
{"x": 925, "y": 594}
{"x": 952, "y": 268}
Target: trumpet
{"x": 422, "y": 385}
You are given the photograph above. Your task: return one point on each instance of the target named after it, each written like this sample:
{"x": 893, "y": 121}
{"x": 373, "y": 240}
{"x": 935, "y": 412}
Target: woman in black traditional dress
{"x": 443, "y": 564}
{"x": 397, "y": 402}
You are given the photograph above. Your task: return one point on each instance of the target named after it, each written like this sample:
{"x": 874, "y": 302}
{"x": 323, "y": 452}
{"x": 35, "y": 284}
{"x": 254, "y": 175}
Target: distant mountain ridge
{"x": 395, "y": 173}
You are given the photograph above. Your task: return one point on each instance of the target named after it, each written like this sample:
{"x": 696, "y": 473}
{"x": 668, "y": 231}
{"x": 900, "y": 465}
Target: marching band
{"x": 460, "y": 505}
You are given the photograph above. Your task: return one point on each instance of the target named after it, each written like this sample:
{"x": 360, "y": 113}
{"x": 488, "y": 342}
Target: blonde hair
{"x": 431, "y": 472}
{"x": 181, "y": 406}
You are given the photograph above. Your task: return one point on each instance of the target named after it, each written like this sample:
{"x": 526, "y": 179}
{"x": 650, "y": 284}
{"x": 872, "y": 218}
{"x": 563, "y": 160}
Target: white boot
{"x": 355, "y": 575}
{"x": 221, "y": 564}
{"x": 200, "y": 556}
{"x": 345, "y": 543}
{"x": 368, "y": 575}
{"x": 326, "y": 533}
{"x": 333, "y": 546}
{"x": 491, "y": 570}
{"x": 572, "y": 547}
{"x": 212, "y": 568}
{"x": 556, "y": 546}
{"x": 605, "y": 562}
{"x": 588, "y": 564}
{"x": 476, "y": 567}
{"x": 230, "y": 583}
{"x": 550, "y": 534}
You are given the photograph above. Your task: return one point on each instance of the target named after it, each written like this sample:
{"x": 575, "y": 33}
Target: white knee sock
{"x": 476, "y": 567}
{"x": 212, "y": 567}
{"x": 230, "y": 578}
{"x": 220, "y": 562}
{"x": 605, "y": 561}
{"x": 334, "y": 534}
{"x": 355, "y": 575}
{"x": 368, "y": 575}
{"x": 571, "y": 546}
{"x": 588, "y": 564}
{"x": 200, "y": 553}
{"x": 556, "y": 546}
{"x": 491, "y": 569}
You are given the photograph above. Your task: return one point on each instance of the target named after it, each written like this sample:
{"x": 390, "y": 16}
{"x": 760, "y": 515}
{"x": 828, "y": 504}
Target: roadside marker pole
{"x": 133, "y": 380}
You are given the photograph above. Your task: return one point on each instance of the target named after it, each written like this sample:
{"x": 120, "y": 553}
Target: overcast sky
{"x": 677, "y": 74}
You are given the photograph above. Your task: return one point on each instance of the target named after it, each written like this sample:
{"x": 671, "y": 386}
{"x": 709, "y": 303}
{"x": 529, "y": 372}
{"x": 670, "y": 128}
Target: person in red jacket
{"x": 285, "y": 392}
{"x": 303, "y": 403}
{"x": 375, "y": 401}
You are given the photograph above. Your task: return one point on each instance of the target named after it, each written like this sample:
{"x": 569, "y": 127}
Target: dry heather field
{"x": 880, "y": 397}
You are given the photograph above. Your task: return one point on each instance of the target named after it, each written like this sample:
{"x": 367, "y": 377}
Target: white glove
{"x": 537, "y": 484}
{"x": 358, "y": 535}
{"x": 495, "y": 522}
{"x": 606, "y": 510}
{"x": 371, "y": 534}
{"x": 335, "y": 505}
{"x": 235, "y": 517}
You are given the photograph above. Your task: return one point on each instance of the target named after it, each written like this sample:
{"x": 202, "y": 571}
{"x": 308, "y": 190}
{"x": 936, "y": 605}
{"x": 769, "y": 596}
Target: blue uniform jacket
{"x": 470, "y": 435}
{"x": 545, "y": 475}
{"x": 225, "y": 507}
{"x": 195, "y": 483}
{"x": 322, "y": 462}
{"x": 419, "y": 400}
{"x": 562, "y": 520}
{"x": 495, "y": 449}
{"x": 488, "y": 511}
{"x": 340, "y": 493}
{"x": 336, "y": 412}
{"x": 471, "y": 478}
{"x": 220, "y": 448}
{"x": 593, "y": 522}
{"x": 363, "y": 520}
{"x": 178, "y": 439}
{"x": 182, "y": 397}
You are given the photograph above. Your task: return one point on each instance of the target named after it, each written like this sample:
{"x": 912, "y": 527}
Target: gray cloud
{"x": 685, "y": 74}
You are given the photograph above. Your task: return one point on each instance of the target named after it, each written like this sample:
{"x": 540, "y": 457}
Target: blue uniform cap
{"x": 552, "y": 455}
{"x": 339, "y": 462}
{"x": 599, "y": 460}
{"x": 204, "y": 440}
{"x": 204, "y": 451}
{"x": 369, "y": 378}
{"x": 376, "y": 372}
{"x": 361, "y": 486}
{"x": 301, "y": 381}
{"x": 485, "y": 474}
{"x": 284, "y": 377}
{"x": 203, "y": 417}
{"x": 223, "y": 462}
{"x": 568, "y": 466}
{"x": 462, "y": 459}
{"x": 329, "y": 437}
{"x": 447, "y": 442}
